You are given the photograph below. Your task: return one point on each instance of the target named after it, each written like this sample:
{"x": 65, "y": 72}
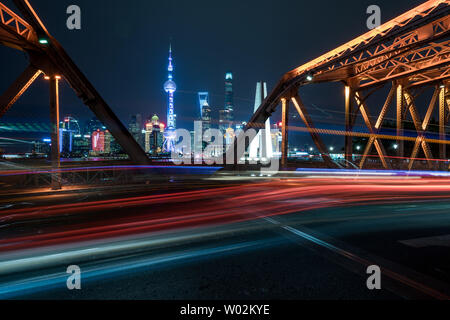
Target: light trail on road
{"x": 59, "y": 233}
{"x": 212, "y": 206}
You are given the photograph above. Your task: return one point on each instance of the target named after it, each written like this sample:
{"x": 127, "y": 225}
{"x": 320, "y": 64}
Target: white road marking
{"x": 349, "y": 255}
{"x": 438, "y": 241}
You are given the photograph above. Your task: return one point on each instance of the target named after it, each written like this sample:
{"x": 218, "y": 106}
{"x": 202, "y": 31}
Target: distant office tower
{"x": 107, "y": 142}
{"x": 98, "y": 142}
{"x": 67, "y": 130}
{"x": 261, "y": 146}
{"x": 276, "y": 140}
{"x": 226, "y": 115}
{"x": 135, "y": 128}
{"x": 70, "y": 123}
{"x": 203, "y": 97}
{"x": 41, "y": 147}
{"x": 154, "y": 135}
{"x": 206, "y": 116}
{"x": 65, "y": 141}
{"x": 229, "y": 103}
{"x": 81, "y": 145}
{"x": 224, "y": 120}
{"x": 170, "y": 87}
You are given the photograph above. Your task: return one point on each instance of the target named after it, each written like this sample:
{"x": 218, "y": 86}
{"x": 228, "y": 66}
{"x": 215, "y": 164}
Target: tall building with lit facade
{"x": 135, "y": 128}
{"x": 170, "y": 87}
{"x": 224, "y": 120}
{"x": 81, "y": 145}
{"x": 229, "y": 102}
{"x": 154, "y": 135}
{"x": 68, "y": 128}
{"x": 206, "y": 116}
{"x": 98, "y": 142}
{"x": 226, "y": 116}
{"x": 203, "y": 98}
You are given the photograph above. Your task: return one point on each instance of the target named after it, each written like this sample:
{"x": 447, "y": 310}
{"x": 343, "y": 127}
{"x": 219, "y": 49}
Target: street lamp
{"x": 43, "y": 40}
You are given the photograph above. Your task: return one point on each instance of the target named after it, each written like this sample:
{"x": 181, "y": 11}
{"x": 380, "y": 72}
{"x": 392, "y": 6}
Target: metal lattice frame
{"x": 11, "y": 22}
{"x": 411, "y": 51}
{"x": 52, "y": 60}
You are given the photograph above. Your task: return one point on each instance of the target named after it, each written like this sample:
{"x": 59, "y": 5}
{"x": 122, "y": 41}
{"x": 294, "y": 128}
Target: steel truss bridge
{"x": 409, "y": 53}
{"x": 48, "y": 58}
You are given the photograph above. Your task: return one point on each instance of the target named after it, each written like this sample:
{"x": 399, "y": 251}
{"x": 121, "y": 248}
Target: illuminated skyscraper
{"x": 226, "y": 115}
{"x": 98, "y": 142}
{"x": 154, "y": 130}
{"x": 170, "y": 87}
{"x": 229, "y": 103}
{"x": 203, "y": 98}
{"x": 206, "y": 116}
{"x": 67, "y": 130}
{"x": 135, "y": 128}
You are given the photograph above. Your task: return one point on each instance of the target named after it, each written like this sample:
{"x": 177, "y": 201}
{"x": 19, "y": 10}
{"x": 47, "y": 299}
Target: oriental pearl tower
{"x": 170, "y": 87}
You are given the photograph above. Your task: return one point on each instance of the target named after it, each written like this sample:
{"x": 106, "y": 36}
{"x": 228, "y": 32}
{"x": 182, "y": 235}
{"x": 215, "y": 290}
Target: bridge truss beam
{"x": 49, "y": 57}
{"x": 411, "y": 51}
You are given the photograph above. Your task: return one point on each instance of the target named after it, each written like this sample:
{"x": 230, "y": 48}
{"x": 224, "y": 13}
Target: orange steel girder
{"x": 284, "y": 131}
{"x": 412, "y": 50}
{"x": 373, "y": 129}
{"x": 15, "y": 91}
{"x": 310, "y": 126}
{"x": 14, "y": 31}
{"x": 420, "y": 128}
{"x": 51, "y": 59}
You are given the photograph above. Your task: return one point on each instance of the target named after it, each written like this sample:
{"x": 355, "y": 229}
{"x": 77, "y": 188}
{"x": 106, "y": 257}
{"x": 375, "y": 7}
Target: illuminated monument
{"x": 261, "y": 146}
{"x": 170, "y": 87}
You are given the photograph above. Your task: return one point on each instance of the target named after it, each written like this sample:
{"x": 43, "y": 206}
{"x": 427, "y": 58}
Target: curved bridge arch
{"x": 410, "y": 51}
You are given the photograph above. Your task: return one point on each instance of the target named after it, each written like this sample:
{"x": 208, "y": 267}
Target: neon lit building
{"x": 203, "y": 99}
{"x": 67, "y": 130}
{"x": 98, "y": 141}
{"x": 226, "y": 116}
{"x": 206, "y": 116}
{"x": 154, "y": 130}
{"x": 170, "y": 87}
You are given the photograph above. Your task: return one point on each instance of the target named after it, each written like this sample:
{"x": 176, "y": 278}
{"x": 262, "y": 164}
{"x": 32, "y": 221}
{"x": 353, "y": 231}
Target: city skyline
{"x": 134, "y": 84}
{"x": 162, "y": 174}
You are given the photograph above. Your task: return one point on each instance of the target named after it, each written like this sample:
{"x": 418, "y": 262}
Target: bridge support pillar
{"x": 348, "y": 147}
{"x": 54, "y": 124}
{"x": 284, "y": 131}
{"x": 400, "y": 114}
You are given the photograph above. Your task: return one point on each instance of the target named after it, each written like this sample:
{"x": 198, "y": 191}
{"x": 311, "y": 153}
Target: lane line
{"x": 389, "y": 273}
{"x": 438, "y": 241}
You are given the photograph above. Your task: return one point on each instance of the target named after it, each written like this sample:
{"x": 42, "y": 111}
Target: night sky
{"x": 123, "y": 46}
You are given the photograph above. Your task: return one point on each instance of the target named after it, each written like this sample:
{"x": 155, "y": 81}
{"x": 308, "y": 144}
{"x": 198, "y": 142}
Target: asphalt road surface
{"x": 219, "y": 238}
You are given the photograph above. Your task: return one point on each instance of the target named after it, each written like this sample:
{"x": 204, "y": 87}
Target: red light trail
{"x": 190, "y": 209}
